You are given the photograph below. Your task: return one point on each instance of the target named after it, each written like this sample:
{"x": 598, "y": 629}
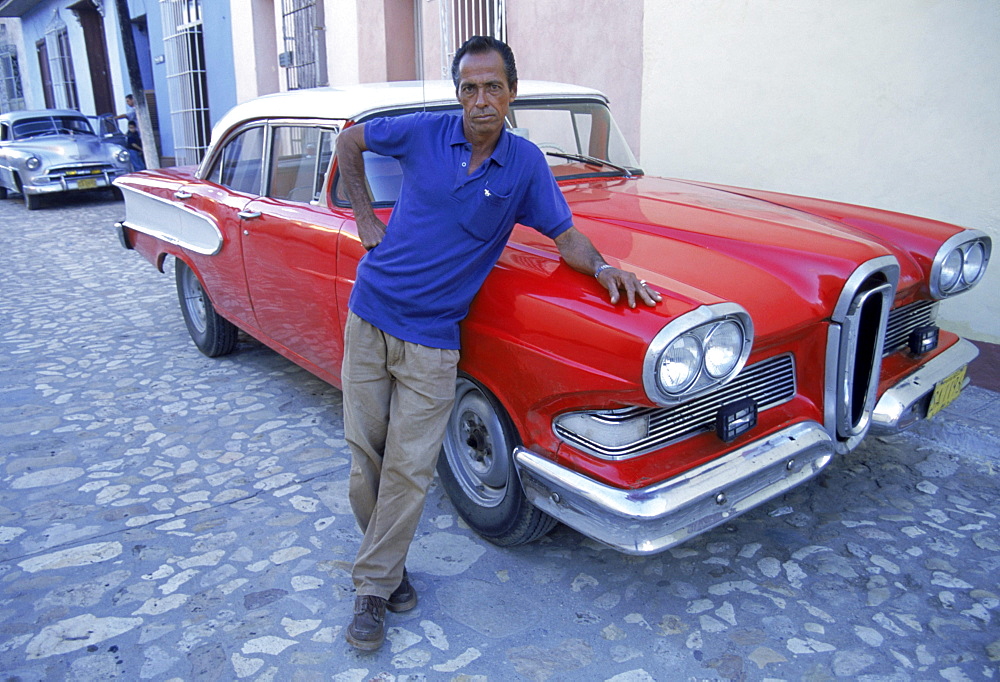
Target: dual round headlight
{"x": 697, "y": 352}
{"x": 713, "y": 350}
{"x": 960, "y": 263}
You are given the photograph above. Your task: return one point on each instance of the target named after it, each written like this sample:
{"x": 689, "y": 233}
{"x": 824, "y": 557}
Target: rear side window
{"x": 384, "y": 176}
{"x": 300, "y": 157}
{"x": 239, "y": 166}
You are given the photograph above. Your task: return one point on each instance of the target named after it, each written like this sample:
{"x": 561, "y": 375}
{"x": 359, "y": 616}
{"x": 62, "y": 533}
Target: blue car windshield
{"x": 50, "y": 125}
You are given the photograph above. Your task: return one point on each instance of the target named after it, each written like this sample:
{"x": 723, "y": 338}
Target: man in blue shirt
{"x": 466, "y": 182}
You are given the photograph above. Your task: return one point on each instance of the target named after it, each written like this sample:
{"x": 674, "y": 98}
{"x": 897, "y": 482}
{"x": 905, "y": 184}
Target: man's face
{"x": 483, "y": 93}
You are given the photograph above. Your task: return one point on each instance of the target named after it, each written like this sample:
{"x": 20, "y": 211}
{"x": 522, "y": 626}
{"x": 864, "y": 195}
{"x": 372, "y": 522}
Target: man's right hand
{"x": 371, "y": 230}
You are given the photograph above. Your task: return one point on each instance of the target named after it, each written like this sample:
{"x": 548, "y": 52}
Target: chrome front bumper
{"x": 902, "y": 405}
{"x": 652, "y": 519}
{"x": 72, "y": 183}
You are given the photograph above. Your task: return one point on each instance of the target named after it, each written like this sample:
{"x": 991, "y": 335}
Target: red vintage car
{"x": 789, "y": 327}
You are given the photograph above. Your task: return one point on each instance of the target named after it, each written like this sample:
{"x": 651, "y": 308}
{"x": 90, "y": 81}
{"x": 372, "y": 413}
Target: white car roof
{"x": 359, "y": 101}
{"x": 40, "y": 113}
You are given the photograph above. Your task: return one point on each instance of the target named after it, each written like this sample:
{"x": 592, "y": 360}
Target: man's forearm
{"x": 580, "y": 254}
{"x": 350, "y": 150}
{"x": 578, "y": 251}
{"x": 350, "y": 147}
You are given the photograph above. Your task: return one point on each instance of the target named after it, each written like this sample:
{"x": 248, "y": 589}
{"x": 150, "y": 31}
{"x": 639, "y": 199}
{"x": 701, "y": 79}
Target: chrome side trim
{"x": 652, "y": 519}
{"x": 173, "y": 223}
{"x": 893, "y": 411}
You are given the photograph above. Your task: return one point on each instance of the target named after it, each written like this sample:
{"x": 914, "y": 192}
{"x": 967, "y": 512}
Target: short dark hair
{"x": 480, "y": 45}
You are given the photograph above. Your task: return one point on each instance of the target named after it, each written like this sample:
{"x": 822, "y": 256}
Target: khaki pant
{"x": 397, "y": 399}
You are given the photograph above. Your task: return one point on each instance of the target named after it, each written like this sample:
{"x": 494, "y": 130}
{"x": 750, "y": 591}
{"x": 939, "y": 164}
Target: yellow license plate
{"x": 86, "y": 183}
{"x": 946, "y": 391}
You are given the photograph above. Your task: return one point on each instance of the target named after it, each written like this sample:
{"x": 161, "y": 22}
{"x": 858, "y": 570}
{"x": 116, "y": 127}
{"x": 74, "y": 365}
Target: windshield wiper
{"x": 593, "y": 160}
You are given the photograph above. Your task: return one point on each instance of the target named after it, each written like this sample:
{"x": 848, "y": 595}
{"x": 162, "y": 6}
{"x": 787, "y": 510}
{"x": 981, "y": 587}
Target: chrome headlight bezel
{"x": 700, "y": 324}
{"x": 954, "y": 268}
{"x": 32, "y": 163}
{"x": 122, "y": 156}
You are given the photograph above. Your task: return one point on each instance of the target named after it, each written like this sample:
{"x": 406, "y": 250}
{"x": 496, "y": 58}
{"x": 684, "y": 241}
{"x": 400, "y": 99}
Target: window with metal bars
{"x": 302, "y": 33}
{"x": 11, "y": 90}
{"x": 61, "y": 69}
{"x": 184, "y": 45}
{"x": 462, "y": 19}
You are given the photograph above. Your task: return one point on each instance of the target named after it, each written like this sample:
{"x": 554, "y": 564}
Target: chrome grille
{"x": 770, "y": 383}
{"x": 903, "y": 320}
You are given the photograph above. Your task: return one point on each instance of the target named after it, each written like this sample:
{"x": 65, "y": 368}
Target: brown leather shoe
{"x": 367, "y": 630}
{"x": 404, "y": 598}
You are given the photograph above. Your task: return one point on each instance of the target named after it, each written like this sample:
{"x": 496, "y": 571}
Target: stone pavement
{"x": 165, "y": 516}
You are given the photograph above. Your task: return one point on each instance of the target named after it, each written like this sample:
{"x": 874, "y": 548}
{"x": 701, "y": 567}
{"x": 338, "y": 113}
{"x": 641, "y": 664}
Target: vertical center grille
{"x": 862, "y": 338}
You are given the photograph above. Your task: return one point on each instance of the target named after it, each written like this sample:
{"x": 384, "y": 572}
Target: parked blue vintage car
{"x": 54, "y": 151}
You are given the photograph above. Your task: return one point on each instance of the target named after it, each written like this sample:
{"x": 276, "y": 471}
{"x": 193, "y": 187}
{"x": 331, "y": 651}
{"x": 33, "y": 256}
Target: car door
{"x": 290, "y": 247}
{"x": 234, "y": 179}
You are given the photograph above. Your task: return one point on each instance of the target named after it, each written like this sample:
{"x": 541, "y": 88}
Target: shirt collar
{"x": 500, "y": 152}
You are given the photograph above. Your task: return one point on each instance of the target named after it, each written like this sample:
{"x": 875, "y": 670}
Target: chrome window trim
{"x": 334, "y": 125}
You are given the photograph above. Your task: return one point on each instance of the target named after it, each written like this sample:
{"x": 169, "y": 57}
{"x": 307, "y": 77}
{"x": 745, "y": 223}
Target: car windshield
{"x": 579, "y": 139}
{"x": 50, "y": 125}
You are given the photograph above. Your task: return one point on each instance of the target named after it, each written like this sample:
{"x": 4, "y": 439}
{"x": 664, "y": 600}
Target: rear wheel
{"x": 213, "y": 334}
{"x": 477, "y": 470}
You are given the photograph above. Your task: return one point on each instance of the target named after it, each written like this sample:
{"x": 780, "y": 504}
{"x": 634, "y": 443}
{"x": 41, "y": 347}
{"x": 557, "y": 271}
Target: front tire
{"x": 477, "y": 470}
{"x": 213, "y": 334}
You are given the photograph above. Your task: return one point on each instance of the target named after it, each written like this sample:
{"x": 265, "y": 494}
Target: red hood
{"x": 785, "y": 266}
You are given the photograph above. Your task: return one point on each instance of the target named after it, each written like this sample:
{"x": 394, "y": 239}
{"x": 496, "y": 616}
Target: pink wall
{"x": 594, "y": 43}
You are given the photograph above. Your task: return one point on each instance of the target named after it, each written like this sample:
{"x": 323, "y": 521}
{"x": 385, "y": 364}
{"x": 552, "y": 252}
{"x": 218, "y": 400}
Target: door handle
{"x": 248, "y": 215}
{"x": 181, "y": 194}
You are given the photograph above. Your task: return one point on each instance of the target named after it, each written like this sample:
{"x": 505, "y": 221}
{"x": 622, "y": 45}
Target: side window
{"x": 384, "y": 176}
{"x": 300, "y": 157}
{"x": 239, "y": 165}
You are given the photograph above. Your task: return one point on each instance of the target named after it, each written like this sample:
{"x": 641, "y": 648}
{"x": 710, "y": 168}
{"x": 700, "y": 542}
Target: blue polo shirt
{"x": 448, "y": 228}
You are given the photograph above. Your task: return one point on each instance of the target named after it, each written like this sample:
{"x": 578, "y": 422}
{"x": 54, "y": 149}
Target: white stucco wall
{"x": 886, "y": 103}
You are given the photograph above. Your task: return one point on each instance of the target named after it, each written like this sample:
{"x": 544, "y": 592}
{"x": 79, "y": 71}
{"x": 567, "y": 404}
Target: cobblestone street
{"x": 166, "y": 516}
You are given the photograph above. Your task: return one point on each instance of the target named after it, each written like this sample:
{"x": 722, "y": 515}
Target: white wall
{"x": 886, "y": 103}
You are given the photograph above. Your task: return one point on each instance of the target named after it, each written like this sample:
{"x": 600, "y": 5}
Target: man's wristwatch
{"x": 601, "y": 268}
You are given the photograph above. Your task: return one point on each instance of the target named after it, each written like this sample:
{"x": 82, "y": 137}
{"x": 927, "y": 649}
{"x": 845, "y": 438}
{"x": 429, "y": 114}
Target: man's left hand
{"x": 616, "y": 281}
